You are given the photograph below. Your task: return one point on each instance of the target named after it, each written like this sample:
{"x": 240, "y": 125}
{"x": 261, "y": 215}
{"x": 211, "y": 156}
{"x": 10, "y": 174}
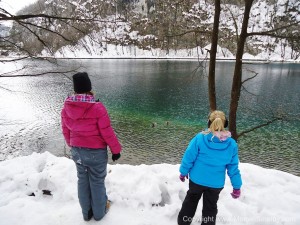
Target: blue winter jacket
{"x": 207, "y": 158}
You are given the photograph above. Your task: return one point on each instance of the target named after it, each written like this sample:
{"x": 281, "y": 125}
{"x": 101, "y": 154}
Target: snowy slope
{"x": 14, "y": 6}
{"x": 262, "y": 16}
{"x": 141, "y": 195}
{"x": 263, "y": 47}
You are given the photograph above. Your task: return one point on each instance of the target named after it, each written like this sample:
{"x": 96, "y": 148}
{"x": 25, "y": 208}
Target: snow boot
{"x": 89, "y": 216}
{"x": 108, "y": 203}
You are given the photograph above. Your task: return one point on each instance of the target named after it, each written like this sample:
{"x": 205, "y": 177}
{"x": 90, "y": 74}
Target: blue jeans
{"x": 91, "y": 167}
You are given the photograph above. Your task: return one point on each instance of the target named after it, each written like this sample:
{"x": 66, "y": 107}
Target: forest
{"x": 150, "y": 24}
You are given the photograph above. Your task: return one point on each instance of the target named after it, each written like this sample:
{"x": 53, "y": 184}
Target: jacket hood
{"x": 78, "y": 110}
{"x": 214, "y": 142}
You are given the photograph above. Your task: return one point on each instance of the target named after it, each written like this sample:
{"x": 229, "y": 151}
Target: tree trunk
{"x": 212, "y": 59}
{"x": 237, "y": 77}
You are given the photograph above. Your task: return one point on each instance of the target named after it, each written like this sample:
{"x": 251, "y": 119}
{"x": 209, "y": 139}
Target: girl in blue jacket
{"x": 206, "y": 159}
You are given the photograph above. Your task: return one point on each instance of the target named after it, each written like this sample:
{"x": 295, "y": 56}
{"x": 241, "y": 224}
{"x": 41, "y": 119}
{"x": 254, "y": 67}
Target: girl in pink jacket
{"x": 87, "y": 130}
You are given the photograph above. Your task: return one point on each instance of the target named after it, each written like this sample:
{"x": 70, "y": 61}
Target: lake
{"x": 156, "y": 107}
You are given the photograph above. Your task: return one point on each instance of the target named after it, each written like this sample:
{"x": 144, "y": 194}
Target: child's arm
{"x": 65, "y": 129}
{"x": 107, "y": 132}
{"x": 233, "y": 170}
{"x": 189, "y": 156}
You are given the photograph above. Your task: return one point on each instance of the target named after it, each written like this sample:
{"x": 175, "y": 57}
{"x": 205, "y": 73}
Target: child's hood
{"x": 79, "y": 110}
{"x": 218, "y": 140}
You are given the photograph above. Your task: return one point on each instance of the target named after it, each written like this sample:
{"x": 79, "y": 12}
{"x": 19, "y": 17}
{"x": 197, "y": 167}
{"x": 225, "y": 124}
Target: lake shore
{"x": 156, "y": 107}
{"x": 246, "y": 61}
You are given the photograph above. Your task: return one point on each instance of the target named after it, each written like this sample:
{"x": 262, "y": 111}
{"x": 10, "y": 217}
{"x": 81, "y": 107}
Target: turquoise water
{"x": 157, "y": 106}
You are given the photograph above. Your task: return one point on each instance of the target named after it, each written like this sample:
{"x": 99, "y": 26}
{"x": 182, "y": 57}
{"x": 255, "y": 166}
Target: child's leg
{"x": 210, "y": 208}
{"x": 84, "y": 192}
{"x": 97, "y": 162}
{"x": 189, "y": 205}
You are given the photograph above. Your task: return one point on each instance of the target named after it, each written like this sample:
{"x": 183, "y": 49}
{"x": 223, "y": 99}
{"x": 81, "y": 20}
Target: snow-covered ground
{"x": 141, "y": 195}
{"x": 87, "y": 48}
{"x": 96, "y": 44}
{"x": 14, "y": 6}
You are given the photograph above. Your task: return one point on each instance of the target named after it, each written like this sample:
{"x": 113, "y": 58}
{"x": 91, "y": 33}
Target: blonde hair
{"x": 217, "y": 120}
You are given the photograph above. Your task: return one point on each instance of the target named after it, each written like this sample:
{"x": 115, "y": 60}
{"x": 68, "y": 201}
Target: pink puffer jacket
{"x": 87, "y": 124}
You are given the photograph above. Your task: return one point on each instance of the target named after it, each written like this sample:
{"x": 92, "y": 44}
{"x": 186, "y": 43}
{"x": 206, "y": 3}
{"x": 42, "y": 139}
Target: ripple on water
{"x": 158, "y": 127}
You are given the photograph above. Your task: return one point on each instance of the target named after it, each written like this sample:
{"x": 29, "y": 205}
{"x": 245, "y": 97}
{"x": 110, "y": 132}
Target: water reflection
{"x": 156, "y": 108}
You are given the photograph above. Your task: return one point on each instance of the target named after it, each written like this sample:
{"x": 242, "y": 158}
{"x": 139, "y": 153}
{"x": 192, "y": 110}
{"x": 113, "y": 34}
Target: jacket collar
{"x": 81, "y": 98}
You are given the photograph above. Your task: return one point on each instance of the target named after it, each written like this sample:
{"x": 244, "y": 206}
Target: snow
{"x": 96, "y": 45}
{"x": 88, "y": 48}
{"x": 14, "y": 6}
{"x": 140, "y": 195}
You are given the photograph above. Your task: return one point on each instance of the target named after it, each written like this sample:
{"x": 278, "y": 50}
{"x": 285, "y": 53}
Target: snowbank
{"x": 144, "y": 194}
{"x": 87, "y": 47}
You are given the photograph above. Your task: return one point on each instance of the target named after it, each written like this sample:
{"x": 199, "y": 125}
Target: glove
{"x": 115, "y": 157}
{"x": 236, "y": 193}
{"x": 182, "y": 178}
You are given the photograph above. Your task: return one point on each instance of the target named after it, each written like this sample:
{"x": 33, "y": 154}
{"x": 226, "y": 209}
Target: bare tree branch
{"x": 188, "y": 32}
{"x": 271, "y": 32}
{"x": 234, "y": 22}
{"x": 70, "y": 25}
{"x": 250, "y": 78}
{"x": 10, "y": 17}
{"x": 259, "y": 126}
{"x": 37, "y": 36}
{"x": 46, "y": 29}
{"x": 39, "y": 74}
{"x": 10, "y": 72}
{"x": 19, "y": 48}
{"x": 243, "y": 88}
{"x": 6, "y": 89}
{"x": 30, "y": 16}
{"x": 14, "y": 60}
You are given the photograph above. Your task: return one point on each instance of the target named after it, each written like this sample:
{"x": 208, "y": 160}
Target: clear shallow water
{"x": 156, "y": 107}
